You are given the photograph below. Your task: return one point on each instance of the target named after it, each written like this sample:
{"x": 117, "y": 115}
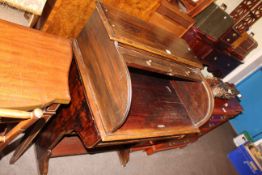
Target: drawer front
{"x": 145, "y": 60}
{"x": 243, "y": 46}
{"x": 230, "y": 36}
{"x": 198, "y": 44}
{"x": 220, "y": 64}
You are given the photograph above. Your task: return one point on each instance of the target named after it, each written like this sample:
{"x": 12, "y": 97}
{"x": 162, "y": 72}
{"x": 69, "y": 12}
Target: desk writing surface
{"x": 34, "y": 68}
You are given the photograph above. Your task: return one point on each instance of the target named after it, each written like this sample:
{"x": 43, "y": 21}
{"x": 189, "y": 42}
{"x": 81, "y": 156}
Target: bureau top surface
{"x": 137, "y": 33}
{"x": 34, "y": 68}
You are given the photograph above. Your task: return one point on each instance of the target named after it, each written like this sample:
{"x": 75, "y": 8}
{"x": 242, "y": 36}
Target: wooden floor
{"x": 208, "y": 156}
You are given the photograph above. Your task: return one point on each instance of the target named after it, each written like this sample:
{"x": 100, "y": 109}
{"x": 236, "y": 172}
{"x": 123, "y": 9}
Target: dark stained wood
{"x": 227, "y": 107}
{"x": 230, "y": 36}
{"x": 162, "y": 107}
{"x": 155, "y": 110}
{"x": 199, "y": 107}
{"x": 221, "y": 63}
{"x": 71, "y": 145}
{"x": 233, "y": 108}
{"x": 72, "y": 117}
{"x": 105, "y": 76}
{"x": 242, "y": 9}
{"x": 134, "y": 32}
{"x": 214, "y": 54}
{"x": 246, "y": 14}
{"x": 200, "y": 44}
{"x": 147, "y": 61}
{"x": 124, "y": 156}
{"x": 107, "y": 81}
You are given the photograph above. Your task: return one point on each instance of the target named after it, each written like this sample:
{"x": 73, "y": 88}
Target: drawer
{"x": 230, "y": 36}
{"x": 200, "y": 45}
{"x": 220, "y": 63}
{"x": 154, "y": 63}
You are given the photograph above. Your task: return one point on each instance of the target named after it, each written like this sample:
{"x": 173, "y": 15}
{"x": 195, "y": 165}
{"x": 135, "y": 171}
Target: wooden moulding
{"x": 103, "y": 53}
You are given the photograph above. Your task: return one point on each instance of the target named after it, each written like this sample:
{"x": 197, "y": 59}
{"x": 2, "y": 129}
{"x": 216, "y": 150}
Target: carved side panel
{"x": 242, "y": 9}
{"x": 246, "y": 14}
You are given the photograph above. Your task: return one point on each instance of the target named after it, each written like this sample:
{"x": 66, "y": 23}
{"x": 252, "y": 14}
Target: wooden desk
{"x": 132, "y": 85}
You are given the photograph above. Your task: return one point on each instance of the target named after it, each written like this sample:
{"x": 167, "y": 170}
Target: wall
{"x": 251, "y": 118}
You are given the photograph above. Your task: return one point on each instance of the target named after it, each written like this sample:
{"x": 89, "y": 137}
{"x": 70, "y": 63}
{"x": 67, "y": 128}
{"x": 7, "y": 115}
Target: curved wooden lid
{"x": 105, "y": 76}
{"x": 34, "y": 68}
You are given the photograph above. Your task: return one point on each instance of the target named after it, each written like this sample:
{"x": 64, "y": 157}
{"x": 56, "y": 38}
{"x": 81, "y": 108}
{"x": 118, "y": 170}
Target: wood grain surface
{"x": 147, "y": 61}
{"x": 105, "y": 75}
{"x": 34, "y": 68}
{"x": 137, "y": 33}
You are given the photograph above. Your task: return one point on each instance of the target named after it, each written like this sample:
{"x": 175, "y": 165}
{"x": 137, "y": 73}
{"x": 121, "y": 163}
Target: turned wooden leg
{"x": 124, "y": 156}
{"x": 43, "y": 159}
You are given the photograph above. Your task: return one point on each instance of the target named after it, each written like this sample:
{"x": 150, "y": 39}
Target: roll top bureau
{"x": 130, "y": 83}
{"x": 140, "y": 81}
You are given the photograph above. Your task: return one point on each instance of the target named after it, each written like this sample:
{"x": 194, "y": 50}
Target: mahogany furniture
{"x": 132, "y": 85}
{"x": 34, "y": 70}
{"x": 238, "y": 44}
{"x": 212, "y": 53}
{"x": 216, "y": 40}
{"x": 246, "y": 14}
